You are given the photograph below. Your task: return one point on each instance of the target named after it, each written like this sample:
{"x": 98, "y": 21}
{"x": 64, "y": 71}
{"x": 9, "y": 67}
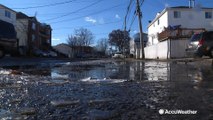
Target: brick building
{"x": 32, "y": 34}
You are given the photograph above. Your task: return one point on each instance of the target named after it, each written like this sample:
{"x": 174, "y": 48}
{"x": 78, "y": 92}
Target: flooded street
{"x": 106, "y": 89}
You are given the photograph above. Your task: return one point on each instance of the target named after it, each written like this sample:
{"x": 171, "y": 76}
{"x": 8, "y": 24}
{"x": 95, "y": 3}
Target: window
{"x": 48, "y": 41}
{"x": 33, "y": 37}
{"x": 48, "y": 32}
{"x": 177, "y": 14}
{"x": 208, "y": 15}
{"x": 158, "y": 22}
{"x": 33, "y": 26}
{"x": 7, "y": 14}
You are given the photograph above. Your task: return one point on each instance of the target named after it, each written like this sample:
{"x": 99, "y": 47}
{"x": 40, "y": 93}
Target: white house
{"x": 190, "y": 19}
{"x": 7, "y": 14}
{"x": 135, "y": 44}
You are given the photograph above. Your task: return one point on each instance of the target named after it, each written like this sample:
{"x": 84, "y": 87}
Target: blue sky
{"x": 99, "y": 16}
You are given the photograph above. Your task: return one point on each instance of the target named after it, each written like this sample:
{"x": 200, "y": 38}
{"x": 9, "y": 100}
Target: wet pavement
{"x": 106, "y": 89}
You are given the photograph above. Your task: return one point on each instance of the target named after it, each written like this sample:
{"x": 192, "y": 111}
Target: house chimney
{"x": 191, "y": 3}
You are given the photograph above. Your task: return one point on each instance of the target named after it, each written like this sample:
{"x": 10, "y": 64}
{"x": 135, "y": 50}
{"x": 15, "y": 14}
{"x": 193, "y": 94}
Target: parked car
{"x": 52, "y": 54}
{"x": 201, "y": 44}
{"x": 40, "y": 53}
{"x": 8, "y": 40}
{"x": 118, "y": 55}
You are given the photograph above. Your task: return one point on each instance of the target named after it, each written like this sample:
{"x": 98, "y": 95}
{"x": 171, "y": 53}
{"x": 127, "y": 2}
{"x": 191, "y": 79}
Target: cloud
{"x": 117, "y": 16}
{"x": 90, "y": 19}
{"x": 55, "y": 39}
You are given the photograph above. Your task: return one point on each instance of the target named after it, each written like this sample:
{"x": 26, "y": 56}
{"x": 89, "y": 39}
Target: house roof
{"x": 170, "y": 8}
{"x": 187, "y": 7}
{"x": 62, "y": 44}
{"x": 21, "y": 15}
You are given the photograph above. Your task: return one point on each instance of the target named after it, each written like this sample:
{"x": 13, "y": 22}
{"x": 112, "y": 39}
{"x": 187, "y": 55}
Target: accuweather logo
{"x": 177, "y": 112}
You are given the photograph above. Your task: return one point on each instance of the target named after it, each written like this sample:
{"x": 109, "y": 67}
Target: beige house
{"x": 32, "y": 34}
{"x": 7, "y": 14}
{"x": 64, "y": 49}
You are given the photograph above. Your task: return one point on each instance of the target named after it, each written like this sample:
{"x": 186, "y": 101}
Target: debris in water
{"x": 28, "y": 111}
{"x": 5, "y": 72}
{"x": 104, "y": 80}
{"x": 63, "y": 103}
{"x": 54, "y": 81}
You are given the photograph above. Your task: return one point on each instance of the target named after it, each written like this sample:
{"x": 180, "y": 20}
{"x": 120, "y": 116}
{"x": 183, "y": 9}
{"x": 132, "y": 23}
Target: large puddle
{"x": 104, "y": 90}
{"x": 130, "y": 71}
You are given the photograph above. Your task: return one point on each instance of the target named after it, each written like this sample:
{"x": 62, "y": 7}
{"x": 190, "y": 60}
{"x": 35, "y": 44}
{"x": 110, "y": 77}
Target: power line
{"x": 132, "y": 21}
{"x": 94, "y": 13}
{"x": 130, "y": 10}
{"x": 142, "y": 2}
{"x": 74, "y": 11}
{"x": 53, "y": 14}
{"x": 127, "y": 12}
{"x": 62, "y": 13}
{"x": 48, "y": 5}
{"x": 90, "y": 25}
{"x": 97, "y": 34}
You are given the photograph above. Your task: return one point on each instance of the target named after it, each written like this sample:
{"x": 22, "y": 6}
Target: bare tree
{"x": 81, "y": 37}
{"x": 72, "y": 40}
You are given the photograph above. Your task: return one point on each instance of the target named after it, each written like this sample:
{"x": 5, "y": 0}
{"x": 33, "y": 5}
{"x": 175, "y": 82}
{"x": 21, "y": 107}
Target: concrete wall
{"x": 151, "y": 52}
{"x": 160, "y": 50}
{"x": 163, "y": 50}
{"x": 178, "y": 48}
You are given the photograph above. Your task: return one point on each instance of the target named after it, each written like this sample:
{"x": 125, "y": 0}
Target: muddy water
{"x": 106, "y": 90}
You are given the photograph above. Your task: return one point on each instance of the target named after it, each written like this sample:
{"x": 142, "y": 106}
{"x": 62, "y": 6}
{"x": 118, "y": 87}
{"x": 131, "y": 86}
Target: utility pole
{"x": 139, "y": 13}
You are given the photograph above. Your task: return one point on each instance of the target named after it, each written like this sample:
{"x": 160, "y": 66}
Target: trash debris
{"x": 104, "y": 80}
{"x": 5, "y": 72}
{"x": 64, "y": 103}
{"x": 54, "y": 81}
{"x": 27, "y": 111}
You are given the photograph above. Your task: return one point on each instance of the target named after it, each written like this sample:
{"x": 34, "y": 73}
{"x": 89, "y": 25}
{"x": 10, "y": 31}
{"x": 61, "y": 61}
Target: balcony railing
{"x": 178, "y": 33}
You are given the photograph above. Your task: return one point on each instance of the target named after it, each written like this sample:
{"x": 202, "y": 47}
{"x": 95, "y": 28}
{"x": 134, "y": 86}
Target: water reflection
{"x": 135, "y": 70}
